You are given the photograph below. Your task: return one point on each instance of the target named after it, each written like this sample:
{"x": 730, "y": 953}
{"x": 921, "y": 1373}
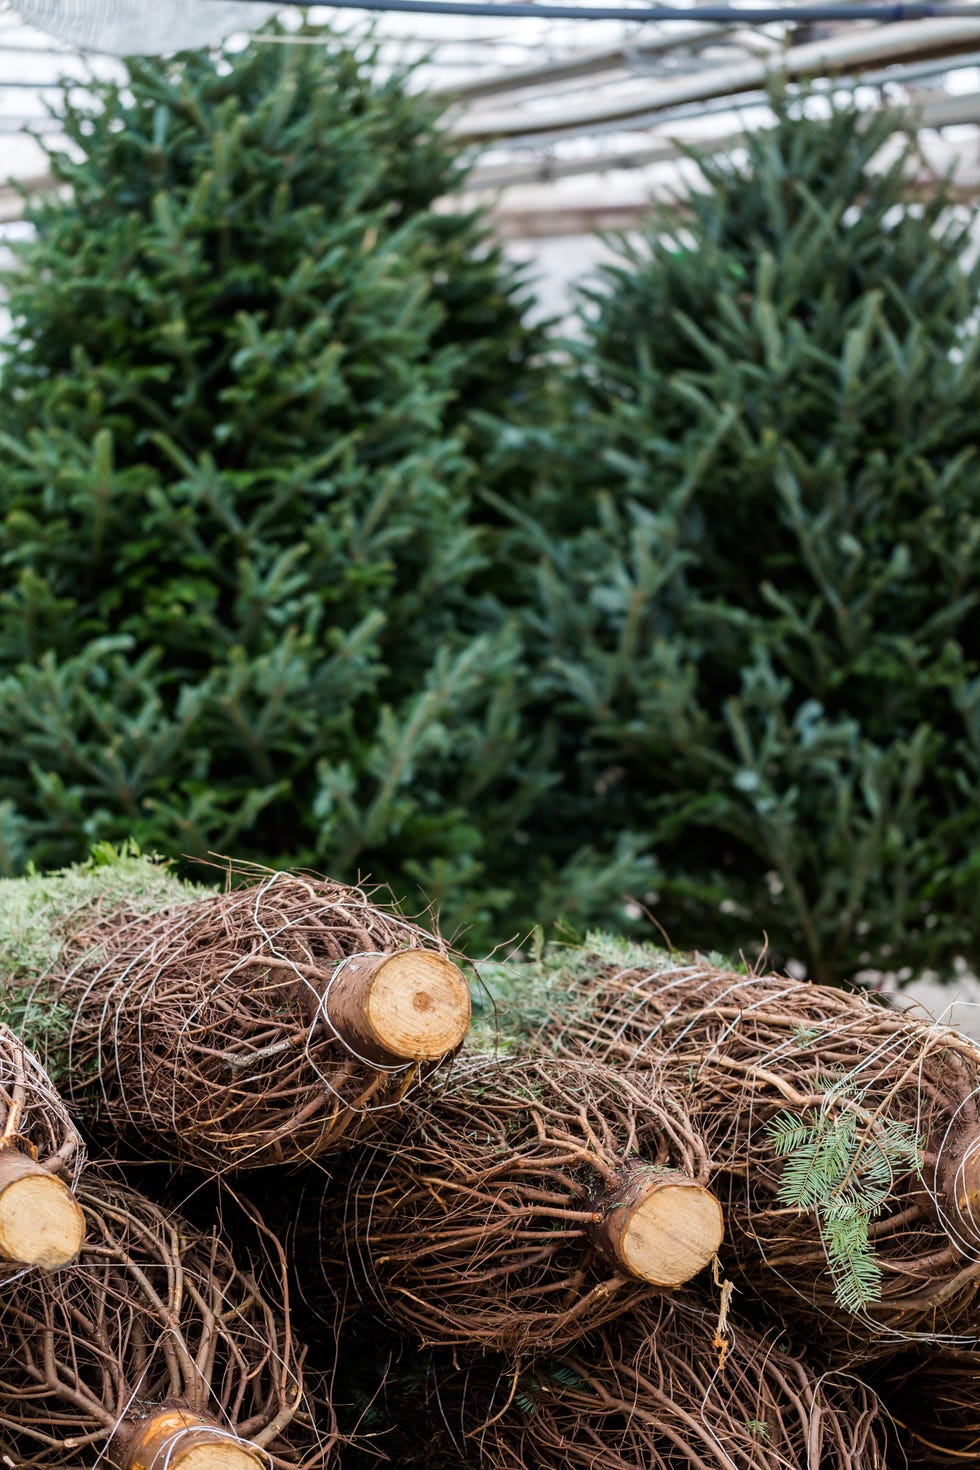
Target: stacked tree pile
{"x": 268, "y": 1024}
{"x": 263, "y": 1025}
{"x": 516, "y": 1255}
{"x": 155, "y": 1348}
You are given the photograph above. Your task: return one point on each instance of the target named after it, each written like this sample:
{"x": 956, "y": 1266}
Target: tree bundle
{"x": 532, "y": 1220}
{"x": 523, "y": 1203}
{"x": 849, "y": 1132}
{"x": 41, "y": 1157}
{"x": 265, "y": 1025}
{"x": 155, "y": 1349}
{"x": 665, "y": 1390}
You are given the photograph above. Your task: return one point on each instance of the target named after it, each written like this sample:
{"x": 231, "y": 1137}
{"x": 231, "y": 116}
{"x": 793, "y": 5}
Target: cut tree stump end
{"x": 661, "y": 1227}
{"x": 412, "y": 1006}
{"x": 176, "y": 1438}
{"x": 959, "y": 1179}
{"x": 41, "y": 1222}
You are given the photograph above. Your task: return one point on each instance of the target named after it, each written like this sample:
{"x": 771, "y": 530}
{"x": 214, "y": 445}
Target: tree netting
{"x": 41, "y": 1158}
{"x": 531, "y": 1220}
{"x": 668, "y": 1388}
{"x": 522, "y": 1204}
{"x": 155, "y": 1343}
{"x": 846, "y": 1133}
{"x": 264, "y": 1025}
{"x": 141, "y": 27}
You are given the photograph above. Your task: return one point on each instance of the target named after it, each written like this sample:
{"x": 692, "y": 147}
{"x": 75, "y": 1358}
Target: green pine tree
{"x": 757, "y": 621}
{"x": 242, "y": 415}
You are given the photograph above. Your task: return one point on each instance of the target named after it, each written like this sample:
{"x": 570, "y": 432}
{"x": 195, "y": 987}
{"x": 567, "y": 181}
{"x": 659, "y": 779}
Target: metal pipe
{"x": 544, "y": 168}
{"x": 720, "y": 14}
{"x": 590, "y": 63}
{"x": 936, "y": 112}
{"x": 838, "y": 53}
{"x": 585, "y": 64}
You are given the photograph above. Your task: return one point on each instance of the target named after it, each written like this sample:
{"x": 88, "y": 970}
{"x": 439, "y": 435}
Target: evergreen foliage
{"x": 265, "y": 414}
{"x": 40, "y": 912}
{"x": 842, "y": 1166}
{"x": 757, "y": 616}
{"x": 242, "y": 413}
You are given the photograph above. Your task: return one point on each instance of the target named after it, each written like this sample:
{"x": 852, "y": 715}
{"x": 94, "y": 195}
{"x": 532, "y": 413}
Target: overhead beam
{"x": 583, "y": 64}
{"x": 544, "y": 168}
{"x": 563, "y": 218}
{"x": 835, "y": 55}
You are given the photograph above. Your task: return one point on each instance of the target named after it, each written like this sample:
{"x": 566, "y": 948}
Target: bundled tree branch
{"x": 932, "y": 1397}
{"x": 264, "y": 1025}
{"x": 846, "y": 1133}
{"x": 156, "y": 1348}
{"x": 41, "y": 1158}
{"x": 656, "y": 1390}
{"x": 522, "y": 1204}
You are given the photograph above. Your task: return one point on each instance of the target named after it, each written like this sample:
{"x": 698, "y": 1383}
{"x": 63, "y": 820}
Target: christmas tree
{"x": 757, "y": 623}
{"x": 251, "y": 373}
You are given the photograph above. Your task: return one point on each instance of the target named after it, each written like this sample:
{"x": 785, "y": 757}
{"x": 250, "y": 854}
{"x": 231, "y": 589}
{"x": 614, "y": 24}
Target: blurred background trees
{"x": 316, "y": 552}
{"x": 757, "y": 614}
{"x": 238, "y": 469}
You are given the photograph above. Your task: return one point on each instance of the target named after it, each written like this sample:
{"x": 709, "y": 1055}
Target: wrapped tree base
{"x": 155, "y": 1349}
{"x": 270, "y": 1024}
{"x": 524, "y": 1203}
{"x": 849, "y": 1132}
{"x": 41, "y": 1157}
{"x": 658, "y": 1390}
{"x": 176, "y": 1440}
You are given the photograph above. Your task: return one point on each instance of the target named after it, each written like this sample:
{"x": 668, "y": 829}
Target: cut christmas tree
{"x": 668, "y": 1388}
{"x": 845, "y": 1133}
{"x": 156, "y": 1348}
{"x": 524, "y": 1203}
{"x": 264, "y": 1025}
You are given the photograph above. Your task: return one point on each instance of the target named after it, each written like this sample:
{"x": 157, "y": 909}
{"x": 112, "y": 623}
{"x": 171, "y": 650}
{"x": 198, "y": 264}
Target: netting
{"x": 522, "y": 1204}
{"x": 33, "y": 1117}
{"x": 222, "y": 1033}
{"x": 38, "y": 1143}
{"x": 655, "y": 1390}
{"x": 141, "y": 27}
{"x": 154, "y": 1317}
{"x": 849, "y": 1134}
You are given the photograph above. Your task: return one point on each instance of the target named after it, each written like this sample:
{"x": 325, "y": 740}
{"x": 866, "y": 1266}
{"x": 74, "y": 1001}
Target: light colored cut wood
{"x": 413, "y": 1006}
{"x": 419, "y": 1005}
{"x": 215, "y": 1453}
{"x": 659, "y": 1225}
{"x": 41, "y": 1222}
{"x": 177, "y": 1440}
{"x": 959, "y": 1167}
{"x": 671, "y": 1234}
